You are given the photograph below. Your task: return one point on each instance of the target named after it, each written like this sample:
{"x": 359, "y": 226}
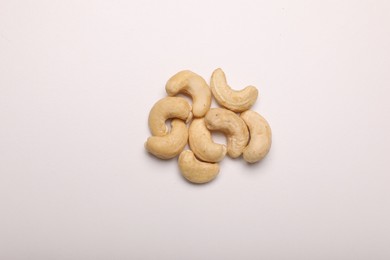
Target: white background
{"x": 77, "y": 81}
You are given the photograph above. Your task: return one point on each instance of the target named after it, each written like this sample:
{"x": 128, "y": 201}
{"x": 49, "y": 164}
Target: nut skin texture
{"x": 170, "y": 145}
{"x": 229, "y": 123}
{"x": 237, "y": 101}
{"x": 261, "y": 137}
{"x": 201, "y": 143}
{"x": 166, "y": 108}
{"x": 196, "y": 171}
{"x": 190, "y": 83}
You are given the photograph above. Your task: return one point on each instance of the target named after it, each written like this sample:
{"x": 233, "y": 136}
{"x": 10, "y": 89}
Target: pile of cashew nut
{"x": 247, "y": 134}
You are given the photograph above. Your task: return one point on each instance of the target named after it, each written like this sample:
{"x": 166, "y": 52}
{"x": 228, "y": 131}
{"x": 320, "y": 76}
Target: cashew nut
{"x": 192, "y": 84}
{"x": 169, "y": 107}
{"x": 236, "y": 101}
{"x": 201, "y": 143}
{"x": 260, "y": 133}
{"x": 229, "y": 123}
{"x": 170, "y": 145}
{"x": 196, "y": 171}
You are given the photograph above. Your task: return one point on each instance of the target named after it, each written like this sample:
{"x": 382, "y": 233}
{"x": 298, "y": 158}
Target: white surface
{"x": 78, "y": 78}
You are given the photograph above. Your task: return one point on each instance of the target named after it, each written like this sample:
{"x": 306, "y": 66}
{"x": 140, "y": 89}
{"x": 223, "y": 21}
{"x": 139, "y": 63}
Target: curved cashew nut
{"x": 201, "y": 143}
{"x": 169, "y": 107}
{"x": 229, "y": 123}
{"x": 170, "y": 145}
{"x": 196, "y": 171}
{"x": 192, "y": 84}
{"x": 236, "y": 101}
{"x": 261, "y": 136}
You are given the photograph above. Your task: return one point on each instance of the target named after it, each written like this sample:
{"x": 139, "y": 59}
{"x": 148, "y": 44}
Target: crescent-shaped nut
{"x": 201, "y": 143}
{"x": 196, "y": 171}
{"x": 192, "y": 84}
{"x": 170, "y": 145}
{"x": 260, "y": 136}
{"x": 166, "y": 108}
{"x": 236, "y": 101}
{"x": 229, "y": 123}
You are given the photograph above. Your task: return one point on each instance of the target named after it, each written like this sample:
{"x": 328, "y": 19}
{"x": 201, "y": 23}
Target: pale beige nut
{"x": 166, "y": 108}
{"x": 171, "y": 144}
{"x": 201, "y": 143}
{"x": 237, "y": 101}
{"x": 196, "y": 171}
{"x": 190, "y": 83}
{"x": 229, "y": 123}
{"x": 260, "y": 137}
